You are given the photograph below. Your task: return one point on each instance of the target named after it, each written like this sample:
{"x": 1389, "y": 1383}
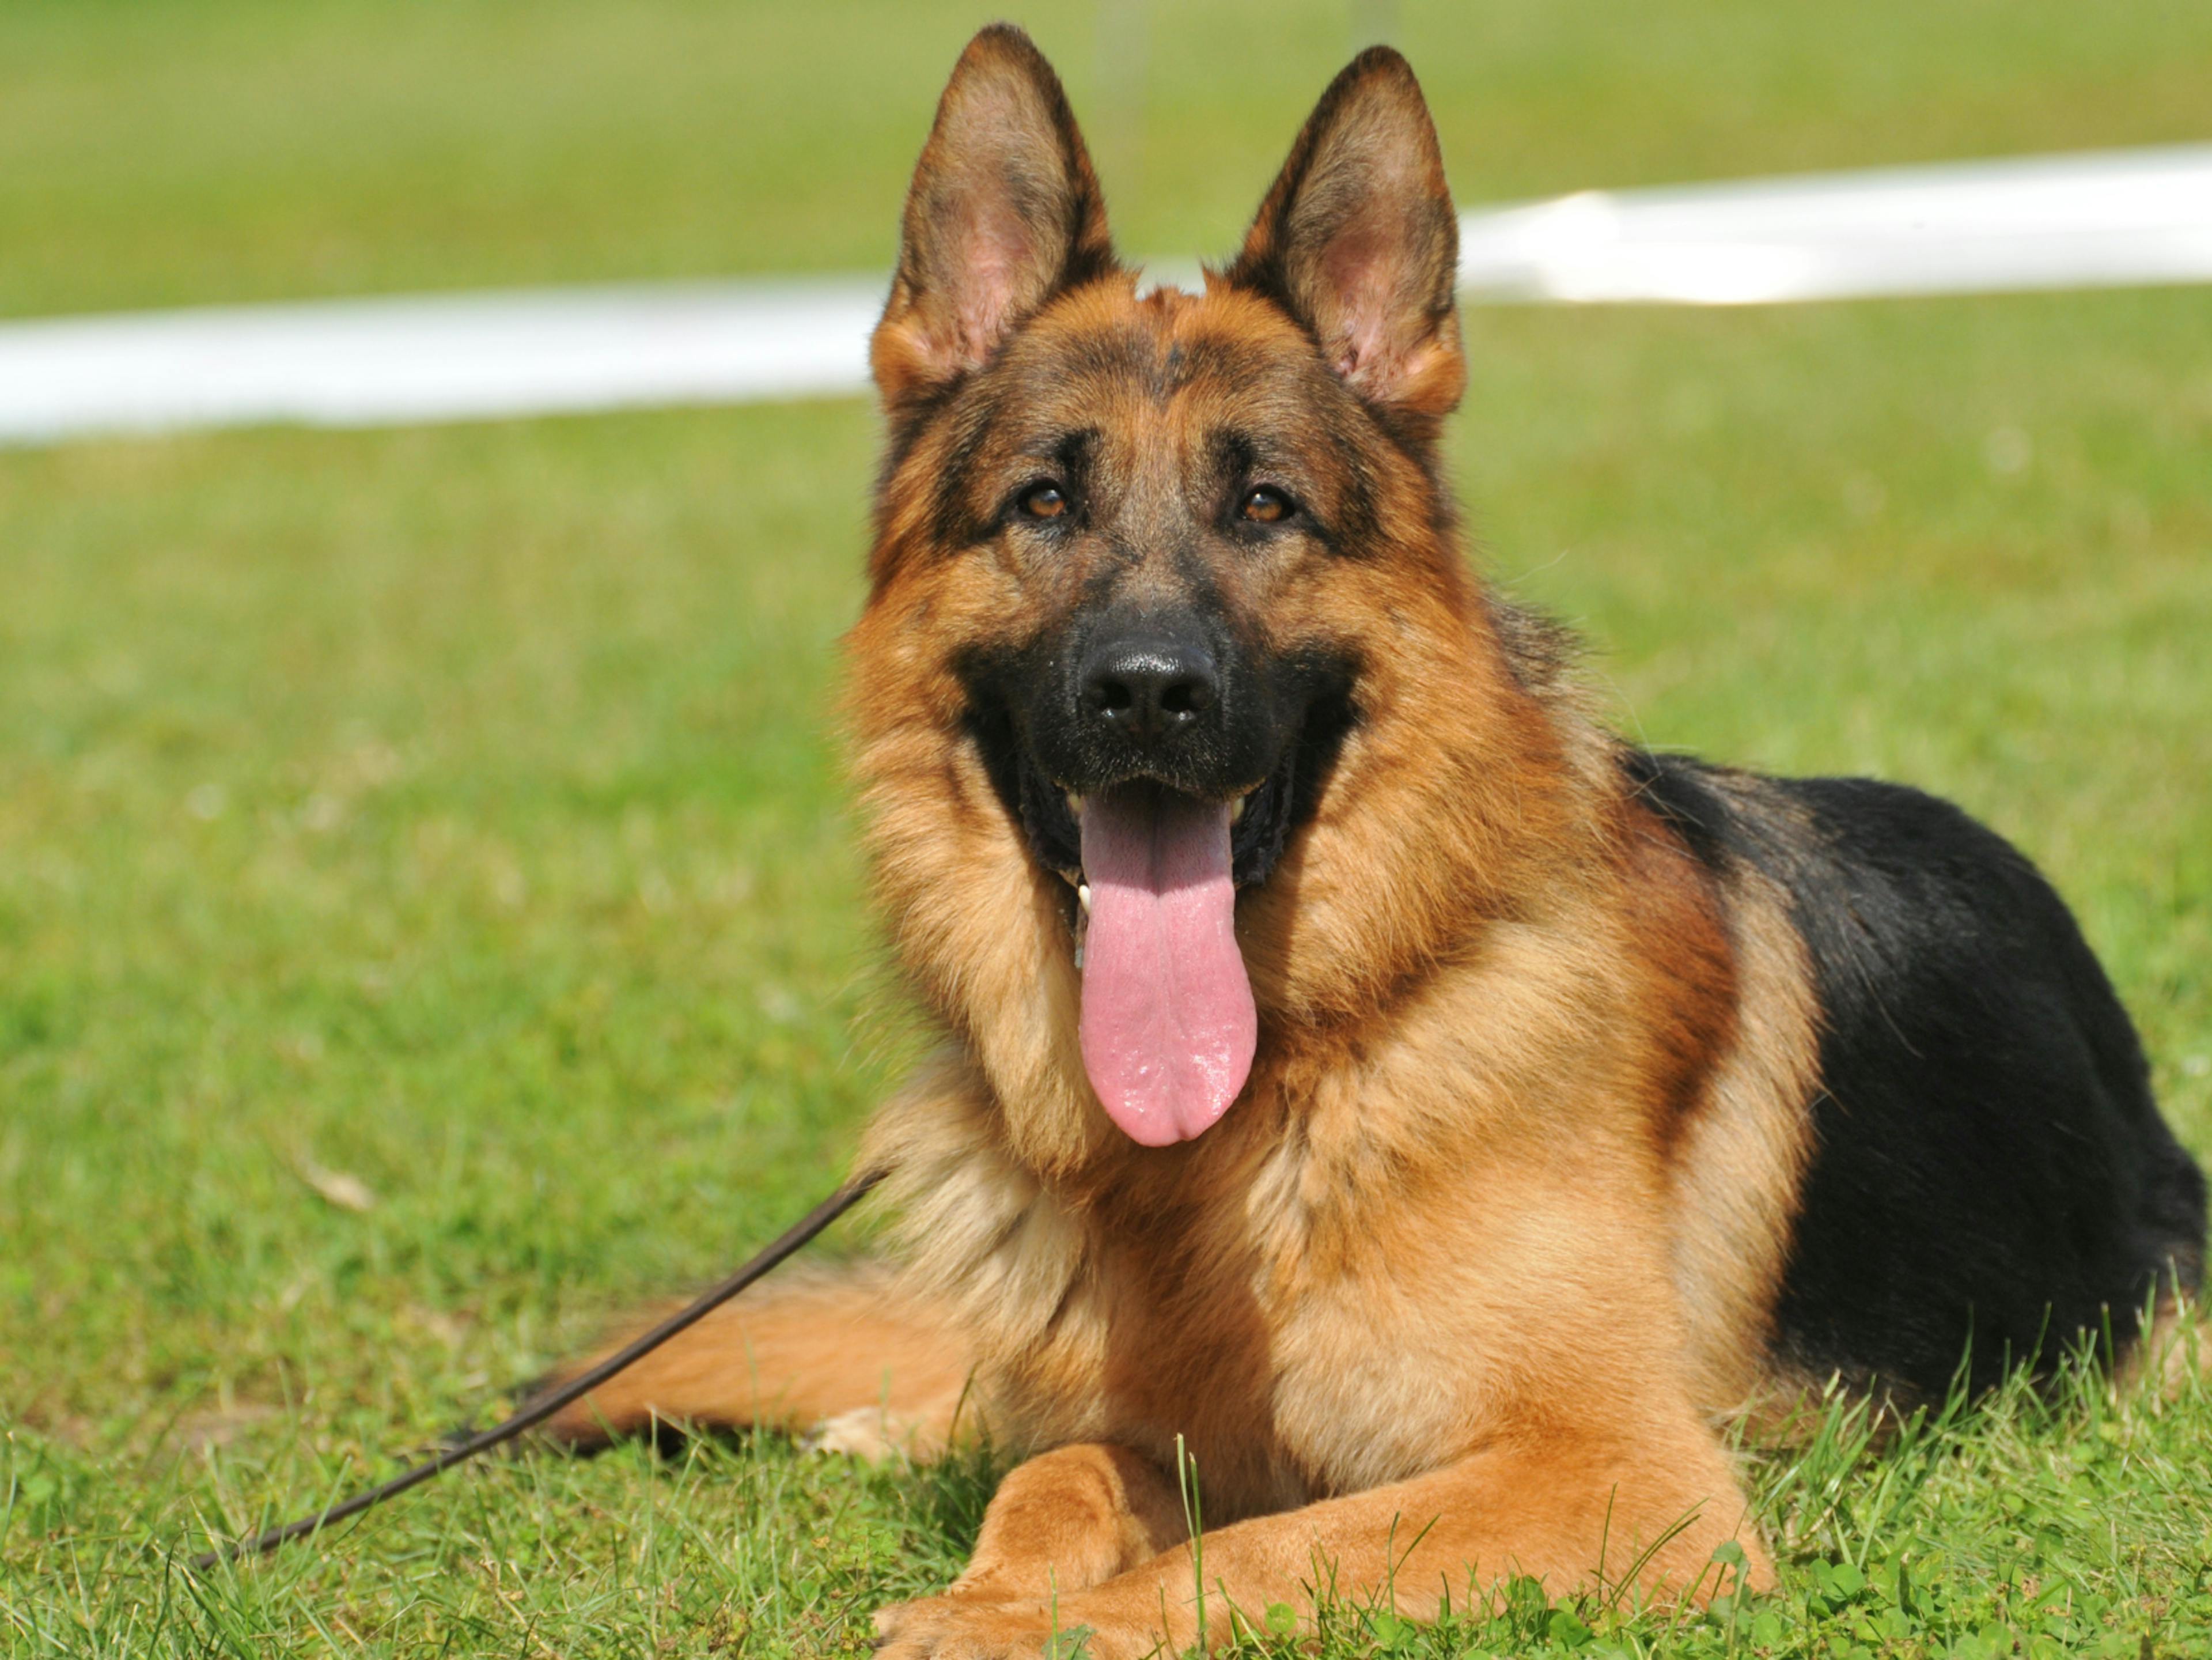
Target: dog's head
{"x": 1145, "y": 564}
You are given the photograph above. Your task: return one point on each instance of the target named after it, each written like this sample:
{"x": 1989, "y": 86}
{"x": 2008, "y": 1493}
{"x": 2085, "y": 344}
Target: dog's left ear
{"x": 1003, "y": 212}
{"x": 1357, "y": 240}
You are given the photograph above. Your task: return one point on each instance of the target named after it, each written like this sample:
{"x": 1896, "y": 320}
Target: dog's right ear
{"x": 1003, "y": 212}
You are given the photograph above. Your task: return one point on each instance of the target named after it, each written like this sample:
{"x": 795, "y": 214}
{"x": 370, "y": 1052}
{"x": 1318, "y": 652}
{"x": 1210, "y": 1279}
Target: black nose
{"x": 1148, "y": 687}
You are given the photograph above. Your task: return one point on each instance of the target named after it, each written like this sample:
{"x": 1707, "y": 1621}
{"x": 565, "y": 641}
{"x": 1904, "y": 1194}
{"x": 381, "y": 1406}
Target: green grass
{"x": 458, "y": 809}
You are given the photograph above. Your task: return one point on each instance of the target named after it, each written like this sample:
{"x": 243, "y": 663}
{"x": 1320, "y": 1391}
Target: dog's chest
{"x": 1367, "y": 1391}
{"x": 1279, "y": 1385}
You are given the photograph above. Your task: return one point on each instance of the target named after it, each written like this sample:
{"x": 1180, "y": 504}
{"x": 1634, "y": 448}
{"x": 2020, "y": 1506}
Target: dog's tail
{"x": 848, "y": 1358}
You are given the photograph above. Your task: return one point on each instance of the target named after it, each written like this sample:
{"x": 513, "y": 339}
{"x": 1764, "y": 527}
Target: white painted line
{"x": 2123, "y": 218}
{"x": 2114, "y": 218}
{"x": 392, "y": 361}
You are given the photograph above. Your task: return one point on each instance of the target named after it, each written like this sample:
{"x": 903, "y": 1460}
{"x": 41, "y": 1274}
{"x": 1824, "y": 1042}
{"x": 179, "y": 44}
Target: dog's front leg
{"x": 1062, "y": 1523}
{"x": 1640, "y": 1520}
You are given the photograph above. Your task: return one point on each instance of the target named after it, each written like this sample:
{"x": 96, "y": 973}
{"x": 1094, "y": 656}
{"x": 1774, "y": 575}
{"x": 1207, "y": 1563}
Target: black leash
{"x": 574, "y": 1390}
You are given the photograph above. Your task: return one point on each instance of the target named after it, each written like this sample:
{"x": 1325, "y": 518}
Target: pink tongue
{"x": 1168, "y": 1023}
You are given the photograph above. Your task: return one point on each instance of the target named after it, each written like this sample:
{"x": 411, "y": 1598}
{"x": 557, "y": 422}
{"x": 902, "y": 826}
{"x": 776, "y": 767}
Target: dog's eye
{"x": 1265, "y": 506}
{"x": 1042, "y": 499}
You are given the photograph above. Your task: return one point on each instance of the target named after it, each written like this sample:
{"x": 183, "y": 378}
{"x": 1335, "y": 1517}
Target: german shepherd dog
{"x": 1363, "y": 1073}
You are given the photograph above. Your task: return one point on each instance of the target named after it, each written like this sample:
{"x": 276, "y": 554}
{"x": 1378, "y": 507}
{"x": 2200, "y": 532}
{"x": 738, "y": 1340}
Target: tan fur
{"x": 1738, "y": 1167}
{"x": 1491, "y": 1239}
{"x": 877, "y": 1366}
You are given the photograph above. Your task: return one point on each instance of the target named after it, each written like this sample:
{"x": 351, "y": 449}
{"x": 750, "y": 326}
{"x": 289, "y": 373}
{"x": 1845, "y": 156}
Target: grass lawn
{"x": 428, "y": 919}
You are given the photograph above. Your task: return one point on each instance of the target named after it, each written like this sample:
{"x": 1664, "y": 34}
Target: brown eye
{"x": 1044, "y": 501}
{"x": 1264, "y": 505}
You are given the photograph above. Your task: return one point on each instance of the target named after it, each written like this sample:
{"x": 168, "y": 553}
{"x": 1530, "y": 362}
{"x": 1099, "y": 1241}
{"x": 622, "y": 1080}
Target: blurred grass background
{"x": 157, "y": 152}
{"x": 457, "y": 810}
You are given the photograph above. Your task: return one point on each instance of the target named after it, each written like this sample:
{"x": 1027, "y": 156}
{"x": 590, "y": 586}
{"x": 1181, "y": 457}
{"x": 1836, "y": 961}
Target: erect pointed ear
{"x": 1004, "y": 211}
{"x": 1358, "y": 241}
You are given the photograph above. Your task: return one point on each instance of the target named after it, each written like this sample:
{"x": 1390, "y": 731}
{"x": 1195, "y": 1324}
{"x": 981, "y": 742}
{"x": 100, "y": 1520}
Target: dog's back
{"x": 1988, "y": 1180}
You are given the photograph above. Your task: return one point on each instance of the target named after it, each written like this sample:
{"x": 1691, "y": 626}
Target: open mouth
{"x": 1168, "y": 1024}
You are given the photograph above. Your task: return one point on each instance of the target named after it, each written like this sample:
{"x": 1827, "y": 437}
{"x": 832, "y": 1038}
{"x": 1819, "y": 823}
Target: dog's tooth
{"x": 1074, "y": 807}
{"x": 1236, "y": 807}
{"x": 1083, "y": 897}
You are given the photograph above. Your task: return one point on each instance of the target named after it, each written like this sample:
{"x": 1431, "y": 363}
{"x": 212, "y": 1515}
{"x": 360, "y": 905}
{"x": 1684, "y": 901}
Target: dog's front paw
{"x": 948, "y": 1625}
{"x": 974, "y": 1625}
